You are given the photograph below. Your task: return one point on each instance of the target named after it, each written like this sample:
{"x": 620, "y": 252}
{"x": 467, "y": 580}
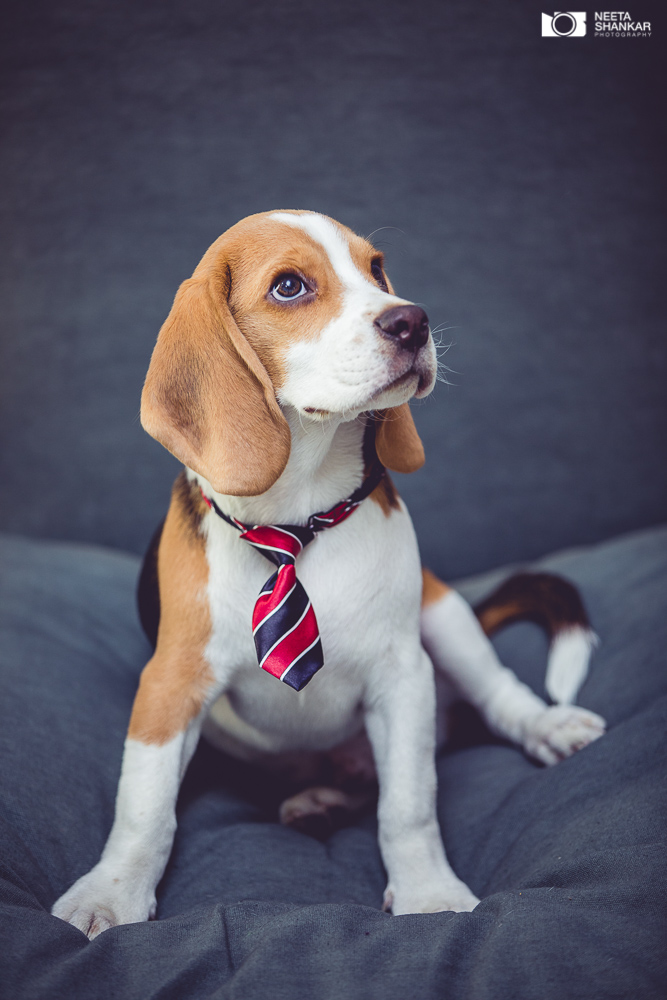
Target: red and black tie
{"x": 284, "y": 626}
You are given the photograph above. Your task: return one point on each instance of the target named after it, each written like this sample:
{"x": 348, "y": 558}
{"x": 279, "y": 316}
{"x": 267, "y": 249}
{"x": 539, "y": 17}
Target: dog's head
{"x": 284, "y": 309}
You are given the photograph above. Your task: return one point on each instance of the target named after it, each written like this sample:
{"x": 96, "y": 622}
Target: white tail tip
{"x": 567, "y": 666}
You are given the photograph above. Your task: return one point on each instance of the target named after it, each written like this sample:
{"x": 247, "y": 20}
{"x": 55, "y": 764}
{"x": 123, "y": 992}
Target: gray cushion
{"x": 569, "y": 861}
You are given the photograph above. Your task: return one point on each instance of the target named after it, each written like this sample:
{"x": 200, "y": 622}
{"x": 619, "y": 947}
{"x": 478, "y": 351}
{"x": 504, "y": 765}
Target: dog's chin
{"x": 399, "y": 391}
{"x": 426, "y": 384}
{"x": 412, "y": 383}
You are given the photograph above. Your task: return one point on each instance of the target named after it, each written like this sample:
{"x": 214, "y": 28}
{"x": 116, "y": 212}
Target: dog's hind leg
{"x": 459, "y": 648}
{"x": 348, "y": 786}
{"x": 321, "y": 810}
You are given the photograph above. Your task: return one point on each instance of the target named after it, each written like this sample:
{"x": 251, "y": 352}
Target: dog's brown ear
{"x": 208, "y": 398}
{"x": 397, "y": 442}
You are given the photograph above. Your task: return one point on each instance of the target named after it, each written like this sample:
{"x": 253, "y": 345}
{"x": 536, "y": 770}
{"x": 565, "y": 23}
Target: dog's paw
{"x": 98, "y": 901}
{"x": 561, "y": 730}
{"x": 451, "y": 895}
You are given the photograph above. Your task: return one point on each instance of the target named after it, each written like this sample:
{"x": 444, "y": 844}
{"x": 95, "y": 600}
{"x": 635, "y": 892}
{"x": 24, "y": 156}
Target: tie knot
{"x": 279, "y": 543}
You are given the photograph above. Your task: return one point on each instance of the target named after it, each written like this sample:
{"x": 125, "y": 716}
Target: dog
{"x": 281, "y": 380}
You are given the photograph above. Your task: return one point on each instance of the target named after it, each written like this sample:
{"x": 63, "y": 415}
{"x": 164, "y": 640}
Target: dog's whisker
{"x": 381, "y": 229}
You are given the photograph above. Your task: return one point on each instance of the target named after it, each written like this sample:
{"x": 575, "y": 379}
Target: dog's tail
{"x": 555, "y": 605}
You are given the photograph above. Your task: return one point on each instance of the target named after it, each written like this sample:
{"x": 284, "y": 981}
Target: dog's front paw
{"x": 100, "y": 900}
{"x": 450, "y": 895}
{"x": 561, "y": 730}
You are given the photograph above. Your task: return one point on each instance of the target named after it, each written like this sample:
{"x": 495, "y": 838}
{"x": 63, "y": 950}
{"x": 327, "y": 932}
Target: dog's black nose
{"x": 408, "y": 325}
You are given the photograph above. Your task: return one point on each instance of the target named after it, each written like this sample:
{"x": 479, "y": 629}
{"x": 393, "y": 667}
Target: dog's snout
{"x": 408, "y": 325}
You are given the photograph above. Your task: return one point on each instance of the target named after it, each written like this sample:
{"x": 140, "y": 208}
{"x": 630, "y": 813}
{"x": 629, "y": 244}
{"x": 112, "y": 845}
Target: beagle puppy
{"x": 281, "y": 380}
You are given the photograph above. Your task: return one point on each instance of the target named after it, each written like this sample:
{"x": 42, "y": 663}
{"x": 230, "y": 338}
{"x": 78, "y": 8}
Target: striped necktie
{"x": 284, "y": 626}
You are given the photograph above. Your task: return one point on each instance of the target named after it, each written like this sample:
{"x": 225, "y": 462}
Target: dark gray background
{"x": 520, "y": 179}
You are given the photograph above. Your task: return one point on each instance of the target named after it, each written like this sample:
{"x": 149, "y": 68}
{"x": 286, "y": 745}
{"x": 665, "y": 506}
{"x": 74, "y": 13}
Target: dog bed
{"x": 569, "y": 861}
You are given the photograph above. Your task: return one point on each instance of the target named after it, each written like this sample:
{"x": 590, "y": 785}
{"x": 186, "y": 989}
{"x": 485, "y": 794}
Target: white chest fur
{"x": 363, "y": 578}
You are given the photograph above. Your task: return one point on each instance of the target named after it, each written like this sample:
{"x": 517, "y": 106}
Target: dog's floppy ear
{"x": 208, "y": 398}
{"x": 397, "y": 442}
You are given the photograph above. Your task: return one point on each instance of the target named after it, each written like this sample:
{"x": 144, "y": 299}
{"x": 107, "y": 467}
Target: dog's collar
{"x": 284, "y": 626}
{"x": 316, "y": 522}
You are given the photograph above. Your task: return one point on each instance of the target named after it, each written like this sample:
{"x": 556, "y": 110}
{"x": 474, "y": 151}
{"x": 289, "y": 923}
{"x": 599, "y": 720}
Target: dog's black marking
{"x": 550, "y": 601}
{"x": 148, "y": 590}
{"x": 187, "y": 495}
{"x": 388, "y": 492}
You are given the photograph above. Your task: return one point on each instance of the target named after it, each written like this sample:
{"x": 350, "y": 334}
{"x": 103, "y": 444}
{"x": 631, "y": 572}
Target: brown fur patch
{"x": 397, "y": 441}
{"x": 493, "y": 618}
{"x": 187, "y": 497}
{"x": 209, "y": 400}
{"x": 433, "y": 589}
{"x": 385, "y": 495}
{"x": 180, "y": 393}
{"x": 259, "y": 250}
{"x": 176, "y": 680}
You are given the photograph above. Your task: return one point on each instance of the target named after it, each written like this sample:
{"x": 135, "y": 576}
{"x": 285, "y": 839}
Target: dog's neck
{"x": 326, "y": 464}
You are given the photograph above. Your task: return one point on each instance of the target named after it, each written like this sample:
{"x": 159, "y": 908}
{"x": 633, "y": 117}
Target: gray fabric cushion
{"x": 569, "y": 861}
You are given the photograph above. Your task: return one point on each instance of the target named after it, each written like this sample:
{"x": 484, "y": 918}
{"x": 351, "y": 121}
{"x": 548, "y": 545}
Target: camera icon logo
{"x": 564, "y": 24}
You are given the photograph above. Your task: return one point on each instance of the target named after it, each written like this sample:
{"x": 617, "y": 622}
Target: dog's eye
{"x": 288, "y": 286}
{"x": 378, "y": 274}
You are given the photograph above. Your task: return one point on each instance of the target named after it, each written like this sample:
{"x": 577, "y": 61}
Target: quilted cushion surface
{"x": 569, "y": 861}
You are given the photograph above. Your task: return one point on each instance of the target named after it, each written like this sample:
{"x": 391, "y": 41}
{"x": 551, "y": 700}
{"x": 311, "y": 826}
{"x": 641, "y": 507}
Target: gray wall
{"x": 519, "y": 181}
